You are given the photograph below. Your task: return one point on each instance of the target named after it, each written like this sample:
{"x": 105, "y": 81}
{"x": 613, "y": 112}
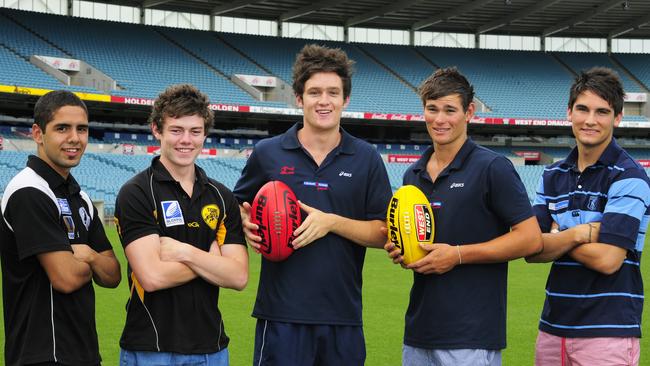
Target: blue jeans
{"x": 142, "y": 358}
{"x": 413, "y": 356}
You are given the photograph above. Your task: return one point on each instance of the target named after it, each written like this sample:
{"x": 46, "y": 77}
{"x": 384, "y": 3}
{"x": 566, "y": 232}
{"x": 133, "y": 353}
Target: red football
{"x": 275, "y": 210}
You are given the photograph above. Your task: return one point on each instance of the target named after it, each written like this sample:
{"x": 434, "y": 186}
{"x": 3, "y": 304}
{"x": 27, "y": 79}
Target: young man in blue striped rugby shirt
{"x": 593, "y": 207}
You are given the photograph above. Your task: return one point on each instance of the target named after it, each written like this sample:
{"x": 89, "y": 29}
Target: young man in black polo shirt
{"x": 457, "y": 311}
{"x": 53, "y": 245}
{"x": 309, "y": 306}
{"x": 182, "y": 236}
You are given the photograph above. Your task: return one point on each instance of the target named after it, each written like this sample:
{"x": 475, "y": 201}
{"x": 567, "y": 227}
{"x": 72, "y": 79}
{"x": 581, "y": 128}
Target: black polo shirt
{"x": 183, "y": 319}
{"x": 43, "y": 212}
{"x": 477, "y": 198}
{"x": 320, "y": 283}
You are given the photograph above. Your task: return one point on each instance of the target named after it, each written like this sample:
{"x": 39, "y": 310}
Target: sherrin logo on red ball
{"x": 276, "y": 211}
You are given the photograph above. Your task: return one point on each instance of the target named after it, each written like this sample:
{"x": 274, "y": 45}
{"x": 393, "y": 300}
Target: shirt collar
{"x": 290, "y": 140}
{"x": 608, "y": 157}
{"x": 161, "y": 173}
{"x": 53, "y": 179}
{"x": 455, "y": 164}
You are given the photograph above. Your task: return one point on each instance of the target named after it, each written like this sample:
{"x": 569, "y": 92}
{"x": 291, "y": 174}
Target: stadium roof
{"x": 559, "y": 18}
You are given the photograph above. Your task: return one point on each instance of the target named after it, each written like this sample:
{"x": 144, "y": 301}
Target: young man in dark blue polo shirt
{"x": 593, "y": 207}
{"x": 182, "y": 237}
{"x": 53, "y": 245}
{"x": 309, "y": 306}
{"x": 457, "y": 311}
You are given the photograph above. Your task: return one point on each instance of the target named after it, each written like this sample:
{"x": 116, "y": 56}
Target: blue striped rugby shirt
{"x": 615, "y": 191}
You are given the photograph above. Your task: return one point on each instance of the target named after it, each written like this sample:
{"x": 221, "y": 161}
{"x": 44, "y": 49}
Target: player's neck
{"x": 444, "y": 154}
{"x": 185, "y": 175}
{"x": 319, "y": 143}
{"x": 589, "y": 155}
{"x": 63, "y": 172}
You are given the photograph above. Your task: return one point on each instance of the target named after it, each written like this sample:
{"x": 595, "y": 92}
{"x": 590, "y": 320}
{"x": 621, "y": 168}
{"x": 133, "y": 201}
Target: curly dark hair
{"x": 313, "y": 59}
{"x": 179, "y": 101}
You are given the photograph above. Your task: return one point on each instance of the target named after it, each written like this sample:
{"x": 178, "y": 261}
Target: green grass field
{"x": 385, "y": 294}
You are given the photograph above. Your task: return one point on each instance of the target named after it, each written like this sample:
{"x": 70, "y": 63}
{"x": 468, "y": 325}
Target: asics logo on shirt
{"x": 456, "y": 185}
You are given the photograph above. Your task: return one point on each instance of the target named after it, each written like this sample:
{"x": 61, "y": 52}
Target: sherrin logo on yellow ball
{"x": 410, "y": 222}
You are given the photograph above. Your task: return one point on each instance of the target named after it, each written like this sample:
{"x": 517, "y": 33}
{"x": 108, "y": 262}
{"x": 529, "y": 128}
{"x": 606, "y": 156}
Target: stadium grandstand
{"x": 521, "y": 56}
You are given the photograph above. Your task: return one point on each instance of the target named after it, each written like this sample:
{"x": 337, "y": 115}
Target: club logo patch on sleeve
{"x": 69, "y": 225}
{"x": 172, "y": 213}
{"x": 210, "y": 214}
{"x": 64, "y": 206}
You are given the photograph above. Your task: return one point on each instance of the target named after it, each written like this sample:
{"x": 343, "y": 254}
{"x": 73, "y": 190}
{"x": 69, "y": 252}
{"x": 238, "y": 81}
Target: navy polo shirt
{"x": 614, "y": 191}
{"x": 476, "y": 198}
{"x": 319, "y": 283}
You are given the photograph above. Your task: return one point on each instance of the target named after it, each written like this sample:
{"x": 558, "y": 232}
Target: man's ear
{"x": 154, "y": 131}
{"x": 37, "y": 133}
{"x": 618, "y": 119}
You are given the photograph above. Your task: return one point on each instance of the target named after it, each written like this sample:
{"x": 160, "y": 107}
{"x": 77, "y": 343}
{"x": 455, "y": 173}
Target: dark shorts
{"x": 293, "y": 344}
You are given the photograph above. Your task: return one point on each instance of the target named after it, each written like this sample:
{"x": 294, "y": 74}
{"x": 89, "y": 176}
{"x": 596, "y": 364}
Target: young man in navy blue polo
{"x": 182, "y": 237}
{"x": 457, "y": 310}
{"x": 309, "y": 306}
{"x": 53, "y": 246}
{"x": 594, "y": 208}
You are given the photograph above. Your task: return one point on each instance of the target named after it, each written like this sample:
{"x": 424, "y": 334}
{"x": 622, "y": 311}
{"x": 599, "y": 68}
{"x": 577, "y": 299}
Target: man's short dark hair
{"x": 601, "y": 81}
{"x": 47, "y": 106}
{"x": 313, "y": 59}
{"x": 181, "y": 100}
{"x": 446, "y": 82}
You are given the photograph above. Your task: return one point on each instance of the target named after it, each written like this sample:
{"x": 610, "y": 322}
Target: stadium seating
{"x": 370, "y": 81}
{"x": 521, "y": 84}
{"x": 403, "y": 60}
{"x": 102, "y": 175}
{"x": 579, "y": 61}
{"x": 637, "y": 64}
{"x": 146, "y": 59}
{"x": 139, "y": 58}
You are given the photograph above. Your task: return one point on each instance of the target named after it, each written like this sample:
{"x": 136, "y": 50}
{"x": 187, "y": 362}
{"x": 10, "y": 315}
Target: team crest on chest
{"x": 172, "y": 213}
{"x": 210, "y": 214}
{"x": 592, "y": 204}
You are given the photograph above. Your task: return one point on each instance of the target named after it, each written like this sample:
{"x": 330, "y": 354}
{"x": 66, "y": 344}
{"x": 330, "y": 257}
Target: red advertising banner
{"x": 644, "y": 163}
{"x": 394, "y": 117}
{"x": 408, "y": 159}
{"x": 210, "y": 152}
{"x": 529, "y": 155}
{"x": 128, "y": 149}
{"x": 149, "y": 102}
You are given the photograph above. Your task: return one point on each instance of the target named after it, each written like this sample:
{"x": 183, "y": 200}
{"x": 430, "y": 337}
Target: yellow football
{"x": 410, "y": 222}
